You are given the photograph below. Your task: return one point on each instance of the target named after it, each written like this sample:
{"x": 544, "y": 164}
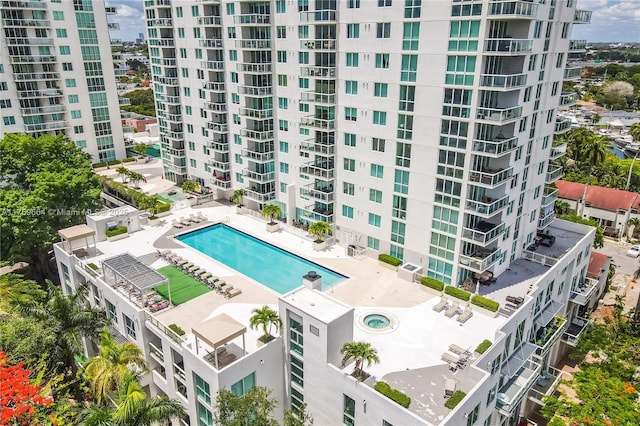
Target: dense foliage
{"x": 393, "y": 261}
{"x": 393, "y": 394}
{"x": 485, "y": 303}
{"x": 483, "y": 346}
{"x": 432, "y": 283}
{"x": 455, "y": 399}
{"x": 603, "y": 95}
{"x": 142, "y": 102}
{"x": 458, "y": 293}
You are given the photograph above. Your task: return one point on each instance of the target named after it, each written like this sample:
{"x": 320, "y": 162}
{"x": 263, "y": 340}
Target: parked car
{"x": 634, "y": 251}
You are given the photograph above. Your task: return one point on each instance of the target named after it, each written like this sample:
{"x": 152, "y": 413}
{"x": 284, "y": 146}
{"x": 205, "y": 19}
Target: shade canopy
{"x": 219, "y": 330}
{"x": 76, "y": 232}
{"x": 127, "y": 268}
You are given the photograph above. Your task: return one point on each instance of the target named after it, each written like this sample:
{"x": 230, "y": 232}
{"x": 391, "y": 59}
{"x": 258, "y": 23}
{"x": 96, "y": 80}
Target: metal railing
{"x": 497, "y": 81}
{"x": 496, "y": 147}
{"x": 163, "y": 328}
{"x": 487, "y": 206}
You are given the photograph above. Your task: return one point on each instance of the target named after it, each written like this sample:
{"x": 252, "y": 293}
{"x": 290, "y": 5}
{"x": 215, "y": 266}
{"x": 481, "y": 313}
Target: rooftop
{"x": 599, "y": 197}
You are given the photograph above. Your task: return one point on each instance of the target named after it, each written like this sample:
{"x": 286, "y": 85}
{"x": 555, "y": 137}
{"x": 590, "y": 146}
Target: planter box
{"x": 483, "y": 311}
{"x": 100, "y": 169}
{"x": 118, "y": 237}
{"x": 319, "y": 246}
{"x": 388, "y": 266}
{"x": 273, "y": 227}
{"x": 431, "y": 290}
{"x": 154, "y": 222}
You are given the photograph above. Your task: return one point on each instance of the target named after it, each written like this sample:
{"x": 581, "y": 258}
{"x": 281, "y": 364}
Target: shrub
{"x": 163, "y": 207}
{"x": 458, "y": 293}
{"x": 393, "y": 394}
{"x": 455, "y": 399}
{"x": 394, "y": 261}
{"x": 483, "y": 302}
{"x": 114, "y": 162}
{"x": 432, "y": 283}
{"x": 176, "y": 329}
{"x": 98, "y": 165}
{"x": 92, "y": 266}
{"x": 483, "y": 346}
{"x": 128, "y": 159}
{"x": 113, "y": 232}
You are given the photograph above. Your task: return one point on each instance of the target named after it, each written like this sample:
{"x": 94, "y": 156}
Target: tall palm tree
{"x": 141, "y": 148}
{"x": 108, "y": 369}
{"x": 576, "y": 139}
{"x": 266, "y": 318}
{"x": 71, "y": 317}
{"x": 361, "y": 352}
{"x": 123, "y": 172}
{"x": 632, "y": 224}
{"x": 238, "y": 197}
{"x": 132, "y": 408}
{"x": 135, "y": 178}
{"x": 594, "y": 151}
{"x": 270, "y": 212}
{"x": 319, "y": 229}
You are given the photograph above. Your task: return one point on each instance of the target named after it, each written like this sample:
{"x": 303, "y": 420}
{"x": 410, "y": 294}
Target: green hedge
{"x": 176, "y": 329}
{"x": 393, "y": 394}
{"x": 114, "y": 162}
{"x": 483, "y": 346}
{"x": 486, "y": 303}
{"x": 92, "y": 266}
{"x": 458, "y": 293}
{"x": 98, "y": 165}
{"x": 113, "y": 232}
{"x": 432, "y": 283}
{"x": 163, "y": 207}
{"x": 455, "y": 399}
{"x": 128, "y": 159}
{"x": 394, "y": 261}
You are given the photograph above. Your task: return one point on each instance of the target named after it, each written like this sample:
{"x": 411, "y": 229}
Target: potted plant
{"x": 360, "y": 352}
{"x": 150, "y": 204}
{"x": 270, "y": 212}
{"x": 265, "y": 318}
{"x": 141, "y": 150}
{"x": 319, "y": 230}
{"x": 237, "y": 198}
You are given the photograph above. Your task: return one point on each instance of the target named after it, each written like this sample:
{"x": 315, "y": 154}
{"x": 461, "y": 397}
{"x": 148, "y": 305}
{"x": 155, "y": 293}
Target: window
{"x": 205, "y": 417}
{"x": 373, "y": 243}
{"x": 348, "y": 411}
{"x": 460, "y": 70}
{"x": 375, "y": 220}
{"x": 380, "y": 90}
{"x": 377, "y": 144}
{"x": 405, "y": 126}
{"x": 282, "y": 56}
{"x": 282, "y": 80}
{"x": 347, "y": 211}
{"x": 398, "y": 230}
{"x": 411, "y": 35}
{"x": 466, "y": 10}
{"x": 375, "y": 195}
{"x": 65, "y": 50}
{"x": 243, "y": 386}
{"x": 412, "y": 8}
{"x": 399, "y": 207}
{"x": 303, "y": 57}
{"x": 303, "y": 31}
{"x": 403, "y": 154}
{"x": 111, "y": 311}
{"x": 194, "y": 10}
{"x": 284, "y": 167}
{"x": 76, "y": 114}
{"x": 303, "y": 83}
{"x": 409, "y": 67}
{"x": 382, "y": 60}
{"x": 283, "y": 125}
{"x": 491, "y": 395}
{"x": 350, "y": 139}
{"x": 351, "y": 87}
{"x": 352, "y": 59}
{"x": 129, "y": 326}
{"x": 231, "y": 32}
{"x": 61, "y": 33}
{"x": 5, "y": 103}
{"x": 383, "y": 30}
{"x": 380, "y": 118}
{"x": 350, "y": 164}
{"x": 231, "y": 10}
{"x": 203, "y": 391}
{"x": 283, "y": 103}
{"x": 9, "y": 120}
{"x": 384, "y": 3}
{"x": 353, "y": 30}
{"x": 281, "y": 31}
{"x": 472, "y": 417}
{"x": 350, "y": 114}
{"x": 353, "y": 4}
{"x": 281, "y": 6}
{"x": 58, "y": 15}
{"x": 284, "y": 146}
{"x": 377, "y": 170}
{"x": 565, "y": 30}
{"x": 348, "y": 188}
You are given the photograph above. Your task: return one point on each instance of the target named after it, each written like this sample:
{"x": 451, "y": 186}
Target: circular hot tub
{"x": 378, "y": 322}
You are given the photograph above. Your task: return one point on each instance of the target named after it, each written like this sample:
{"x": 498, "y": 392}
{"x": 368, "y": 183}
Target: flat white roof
{"x": 317, "y": 304}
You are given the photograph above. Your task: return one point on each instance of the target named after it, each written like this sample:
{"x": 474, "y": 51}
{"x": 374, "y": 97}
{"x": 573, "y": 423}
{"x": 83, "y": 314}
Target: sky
{"x": 612, "y": 20}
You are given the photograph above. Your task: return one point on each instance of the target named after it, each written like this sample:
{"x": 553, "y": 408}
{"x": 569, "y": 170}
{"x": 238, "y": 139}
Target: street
{"x": 622, "y": 284}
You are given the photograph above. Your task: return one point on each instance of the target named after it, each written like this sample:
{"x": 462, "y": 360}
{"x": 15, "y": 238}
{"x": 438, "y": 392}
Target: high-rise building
{"x": 56, "y": 74}
{"x": 423, "y": 130}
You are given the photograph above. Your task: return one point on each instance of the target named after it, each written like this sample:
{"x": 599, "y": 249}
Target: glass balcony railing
{"x": 496, "y": 81}
{"x": 256, "y": 90}
{"x": 219, "y": 145}
{"x": 582, "y": 17}
{"x": 254, "y": 44}
{"x": 577, "y": 45}
{"x": 312, "y": 145}
{"x": 550, "y": 195}
{"x": 489, "y": 177}
{"x": 160, "y": 22}
{"x": 215, "y": 106}
{"x": 545, "y": 219}
{"x": 323, "y": 44}
{"x": 548, "y": 335}
{"x": 256, "y": 113}
{"x": 318, "y": 16}
{"x": 568, "y": 98}
{"x": 163, "y": 328}
{"x": 562, "y": 126}
{"x": 260, "y": 157}
{"x": 213, "y": 65}
{"x": 261, "y": 197}
{"x": 178, "y": 370}
{"x": 488, "y": 206}
{"x": 257, "y": 68}
{"x": 156, "y": 352}
{"x": 495, "y": 148}
{"x": 583, "y": 292}
{"x": 572, "y": 73}
{"x": 508, "y": 45}
{"x": 209, "y": 20}
{"x": 256, "y": 134}
{"x": 553, "y": 174}
{"x": 512, "y": 392}
{"x": 483, "y": 233}
{"x": 259, "y": 176}
{"x": 220, "y": 165}
{"x": 320, "y": 170}
{"x": 576, "y": 329}
{"x": 316, "y": 122}
{"x": 326, "y": 72}
{"x": 211, "y": 43}
{"x": 218, "y": 127}
{"x": 319, "y": 193}
{"x": 545, "y": 385}
{"x": 213, "y": 85}
{"x": 515, "y": 9}
{"x": 252, "y": 19}
{"x": 480, "y": 260}
{"x": 220, "y": 182}
{"x": 320, "y": 98}
{"x": 499, "y": 115}
{"x": 559, "y": 149}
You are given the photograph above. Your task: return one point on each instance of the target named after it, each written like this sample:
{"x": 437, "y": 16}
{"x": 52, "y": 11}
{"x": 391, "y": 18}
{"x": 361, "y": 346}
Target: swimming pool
{"x": 269, "y": 265}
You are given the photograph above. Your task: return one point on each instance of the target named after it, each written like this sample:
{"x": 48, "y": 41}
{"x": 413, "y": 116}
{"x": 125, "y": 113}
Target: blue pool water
{"x": 269, "y": 265}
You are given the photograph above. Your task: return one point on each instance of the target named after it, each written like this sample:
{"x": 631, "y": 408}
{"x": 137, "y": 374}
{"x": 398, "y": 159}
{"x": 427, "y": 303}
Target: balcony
{"x": 553, "y": 174}
{"x": 32, "y": 41}
{"x": 254, "y": 68}
{"x": 324, "y": 194}
{"x": 156, "y": 353}
{"x": 175, "y": 168}
{"x": 35, "y": 59}
{"x": 260, "y": 114}
{"x": 214, "y": 86}
{"x": 490, "y": 178}
{"x": 507, "y": 82}
{"x": 577, "y": 46}
{"x": 568, "y": 99}
{"x": 562, "y": 126}
{"x": 211, "y": 43}
{"x": 212, "y": 65}
{"x": 320, "y": 170}
{"x": 318, "y": 123}
{"x": 487, "y": 207}
{"x": 314, "y": 146}
{"x": 256, "y": 134}
{"x": 50, "y": 109}
{"x": 259, "y": 157}
{"x": 219, "y": 145}
{"x": 220, "y": 165}
{"x": 483, "y": 232}
{"x": 209, "y": 20}
{"x": 545, "y": 385}
{"x": 163, "y": 328}
{"x": 252, "y": 19}
{"x": 259, "y": 176}
{"x": 480, "y": 260}
{"x": 499, "y": 116}
{"x": 550, "y": 195}
{"x": 166, "y": 42}
{"x": 256, "y": 90}
{"x": 572, "y": 73}
{"x": 513, "y": 9}
{"x": 319, "y": 98}
{"x": 318, "y": 16}
{"x": 545, "y": 219}
{"x": 54, "y": 125}
{"x": 576, "y": 329}
{"x": 583, "y": 292}
{"x": 325, "y": 72}
{"x": 548, "y": 335}
{"x": 511, "y": 393}
{"x": 253, "y": 44}
{"x": 259, "y": 196}
{"x": 558, "y": 149}
{"x": 220, "y": 182}
{"x": 582, "y": 17}
{"x": 169, "y": 81}
{"x": 39, "y": 23}
{"x": 496, "y": 148}
{"x": 320, "y": 212}
{"x": 37, "y": 76}
{"x": 18, "y": 4}
{"x": 178, "y": 370}
{"x": 508, "y": 46}
{"x": 218, "y": 127}
{"x": 160, "y": 22}
{"x": 324, "y": 44}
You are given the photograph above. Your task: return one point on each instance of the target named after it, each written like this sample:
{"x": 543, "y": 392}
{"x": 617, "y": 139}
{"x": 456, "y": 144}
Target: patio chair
{"x": 450, "y": 358}
{"x": 442, "y": 305}
{"x": 176, "y": 225}
{"x": 449, "y": 387}
{"x": 221, "y": 286}
{"x": 233, "y": 293}
{"x": 227, "y": 290}
{"x": 193, "y": 218}
{"x": 184, "y": 221}
{"x": 458, "y": 350}
{"x": 453, "y": 310}
{"x": 464, "y": 317}
{"x": 202, "y": 217}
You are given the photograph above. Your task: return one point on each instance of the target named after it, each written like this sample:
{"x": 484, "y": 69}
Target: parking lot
{"x": 622, "y": 283}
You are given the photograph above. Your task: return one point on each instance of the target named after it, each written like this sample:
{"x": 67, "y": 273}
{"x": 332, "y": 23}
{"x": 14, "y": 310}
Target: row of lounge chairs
{"x": 182, "y": 222}
{"x": 453, "y": 309}
{"x": 200, "y": 274}
{"x": 456, "y": 357}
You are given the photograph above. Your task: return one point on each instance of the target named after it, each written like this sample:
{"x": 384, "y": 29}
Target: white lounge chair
{"x": 464, "y": 317}
{"x": 233, "y": 293}
{"x": 193, "y": 218}
{"x": 202, "y": 217}
{"x": 441, "y": 306}
{"x": 453, "y": 310}
{"x": 177, "y": 225}
{"x": 184, "y": 221}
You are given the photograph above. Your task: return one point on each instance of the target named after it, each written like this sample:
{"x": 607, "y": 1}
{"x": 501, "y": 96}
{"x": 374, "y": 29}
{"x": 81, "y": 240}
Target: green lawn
{"x": 183, "y": 286}
{"x": 163, "y": 199}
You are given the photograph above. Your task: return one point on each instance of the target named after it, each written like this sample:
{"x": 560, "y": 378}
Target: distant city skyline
{"x": 612, "y": 21}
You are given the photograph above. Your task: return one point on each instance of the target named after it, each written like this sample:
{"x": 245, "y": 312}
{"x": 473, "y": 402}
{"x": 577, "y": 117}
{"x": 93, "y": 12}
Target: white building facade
{"x": 56, "y": 74}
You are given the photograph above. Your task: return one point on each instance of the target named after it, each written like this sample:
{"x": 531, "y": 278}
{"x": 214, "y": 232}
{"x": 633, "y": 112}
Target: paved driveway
{"x": 622, "y": 282}
{"x": 618, "y": 251}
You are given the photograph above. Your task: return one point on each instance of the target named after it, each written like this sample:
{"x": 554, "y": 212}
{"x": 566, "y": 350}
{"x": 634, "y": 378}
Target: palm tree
{"x": 15, "y": 291}
{"x": 238, "y": 197}
{"x": 265, "y": 317}
{"x": 141, "y": 149}
{"x": 632, "y": 223}
{"x": 108, "y": 369}
{"x": 319, "y": 230}
{"x": 561, "y": 207}
{"x": 123, "y": 172}
{"x": 133, "y": 408}
{"x": 361, "y": 352}
{"x": 149, "y": 204}
{"x": 593, "y": 151}
{"x": 72, "y": 318}
{"x": 270, "y": 212}
{"x": 576, "y": 139}
{"x": 634, "y": 131}
{"x": 135, "y": 178}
